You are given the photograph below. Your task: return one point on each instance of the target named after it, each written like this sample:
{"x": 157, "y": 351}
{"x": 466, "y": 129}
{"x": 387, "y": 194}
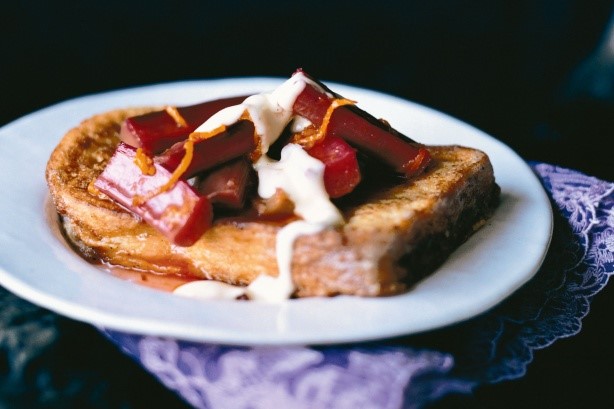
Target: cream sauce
{"x": 276, "y": 289}
{"x": 270, "y": 112}
{"x": 300, "y": 176}
{"x": 210, "y": 290}
{"x": 297, "y": 173}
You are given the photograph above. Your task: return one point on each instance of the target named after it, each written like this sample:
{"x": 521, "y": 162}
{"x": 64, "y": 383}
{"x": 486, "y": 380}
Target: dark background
{"x": 518, "y": 70}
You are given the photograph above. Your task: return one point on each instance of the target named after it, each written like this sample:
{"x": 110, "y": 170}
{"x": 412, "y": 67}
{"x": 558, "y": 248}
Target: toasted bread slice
{"x": 393, "y": 236}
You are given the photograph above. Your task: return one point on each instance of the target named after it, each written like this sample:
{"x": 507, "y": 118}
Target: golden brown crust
{"x": 391, "y": 238}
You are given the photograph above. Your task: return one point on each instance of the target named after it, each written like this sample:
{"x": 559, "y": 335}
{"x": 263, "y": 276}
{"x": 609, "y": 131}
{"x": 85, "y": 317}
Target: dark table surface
{"x": 518, "y": 71}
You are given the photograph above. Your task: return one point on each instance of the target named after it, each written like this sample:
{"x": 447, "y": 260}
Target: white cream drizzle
{"x": 300, "y": 176}
{"x": 297, "y": 173}
{"x": 276, "y": 289}
{"x": 270, "y": 112}
{"x": 210, "y": 290}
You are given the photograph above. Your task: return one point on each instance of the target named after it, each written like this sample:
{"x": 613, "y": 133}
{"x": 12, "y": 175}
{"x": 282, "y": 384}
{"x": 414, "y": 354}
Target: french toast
{"x": 393, "y": 235}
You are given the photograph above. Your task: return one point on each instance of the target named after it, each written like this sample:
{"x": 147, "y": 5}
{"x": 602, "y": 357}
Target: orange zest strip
{"x": 144, "y": 162}
{"x": 174, "y": 113}
{"x": 338, "y": 102}
{"x": 310, "y": 136}
{"x": 201, "y": 136}
{"x": 415, "y": 164}
{"x": 93, "y": 190}
{"x": 257, "y": 152}
{"x": 188, "y": 146}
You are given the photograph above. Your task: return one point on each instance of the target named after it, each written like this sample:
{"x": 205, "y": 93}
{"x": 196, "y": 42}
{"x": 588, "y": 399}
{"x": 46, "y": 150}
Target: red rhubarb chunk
{"x": 235, "y": 141}
{"x": 227, "y": 184}
{"x": 179, "y": 213}
{"x": 341, "y": 171}
{"x": 157, "y": 131}
{"x": 379, "y": 140}
{"x": 363, "y": 131}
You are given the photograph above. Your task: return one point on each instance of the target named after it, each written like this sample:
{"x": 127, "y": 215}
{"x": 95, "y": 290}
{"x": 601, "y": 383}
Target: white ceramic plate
{"x": 38, "y": 266}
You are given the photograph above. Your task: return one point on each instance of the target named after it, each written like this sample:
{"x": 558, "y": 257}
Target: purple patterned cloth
{"x": 413, "y": 371}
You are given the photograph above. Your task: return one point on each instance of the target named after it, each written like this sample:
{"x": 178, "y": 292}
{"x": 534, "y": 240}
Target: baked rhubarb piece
{"x": 350, "y": 228}
{"x": 179, "y": 213}
{"x": 158, "y": 130}
{"x": 361, "y": 129}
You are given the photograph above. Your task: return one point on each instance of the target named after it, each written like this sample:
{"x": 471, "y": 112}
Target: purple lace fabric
{"x": 412, "y": 371}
